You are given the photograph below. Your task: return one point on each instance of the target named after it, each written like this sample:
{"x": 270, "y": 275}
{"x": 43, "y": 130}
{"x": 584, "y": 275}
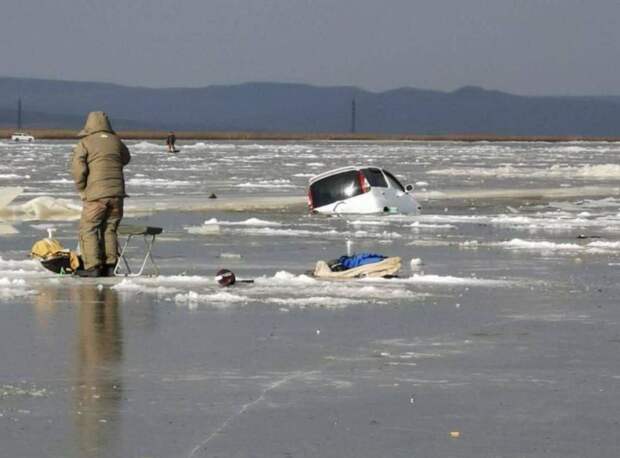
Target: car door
{"x": 397, "y": 195}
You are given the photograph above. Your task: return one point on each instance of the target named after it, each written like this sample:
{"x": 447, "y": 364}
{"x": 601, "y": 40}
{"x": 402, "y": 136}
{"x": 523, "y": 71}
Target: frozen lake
{"x": 500, "y": 338}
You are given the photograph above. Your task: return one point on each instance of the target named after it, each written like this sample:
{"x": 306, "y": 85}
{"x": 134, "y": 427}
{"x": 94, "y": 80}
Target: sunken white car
{"x": 360, "y": 190}
{"x": 22, "y": 137}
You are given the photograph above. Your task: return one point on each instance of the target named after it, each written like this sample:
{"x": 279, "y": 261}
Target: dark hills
{"x": 281, "y": 107}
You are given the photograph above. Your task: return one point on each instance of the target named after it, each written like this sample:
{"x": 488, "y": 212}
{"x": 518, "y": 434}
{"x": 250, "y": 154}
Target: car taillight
{"x": 363, "y": 182}
{"x": 310, "y": 202}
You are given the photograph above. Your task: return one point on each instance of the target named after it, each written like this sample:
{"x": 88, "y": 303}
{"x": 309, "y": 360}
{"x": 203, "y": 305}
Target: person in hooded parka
{"x": 97, "y": 168}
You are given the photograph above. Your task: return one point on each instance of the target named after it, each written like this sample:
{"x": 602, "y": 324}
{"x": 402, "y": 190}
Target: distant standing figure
{"x": 97, "y": 168}
{"x": 170, "y": 141}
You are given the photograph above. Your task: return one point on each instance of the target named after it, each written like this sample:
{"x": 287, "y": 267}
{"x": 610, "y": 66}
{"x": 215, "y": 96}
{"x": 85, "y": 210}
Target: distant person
{"x": 97, "y": 168}
{"x": 170, "y": 141}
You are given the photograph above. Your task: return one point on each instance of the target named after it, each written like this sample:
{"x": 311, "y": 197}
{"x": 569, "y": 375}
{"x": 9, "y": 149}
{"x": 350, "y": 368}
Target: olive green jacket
{"x": 98, "y": 160}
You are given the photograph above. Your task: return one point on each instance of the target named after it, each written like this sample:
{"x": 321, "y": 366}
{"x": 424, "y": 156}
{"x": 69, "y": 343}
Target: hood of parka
{"x": 97, "y": 121}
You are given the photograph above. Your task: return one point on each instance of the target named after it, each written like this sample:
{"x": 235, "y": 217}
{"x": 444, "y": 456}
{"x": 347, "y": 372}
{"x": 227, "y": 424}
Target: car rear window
{"x": 334, "y": 188}
{"x": 375, "y": 178}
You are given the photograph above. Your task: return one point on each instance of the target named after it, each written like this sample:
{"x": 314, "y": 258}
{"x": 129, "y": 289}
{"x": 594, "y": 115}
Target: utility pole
{"x": 19, "y": 114}
{"x": 353, "y": 117}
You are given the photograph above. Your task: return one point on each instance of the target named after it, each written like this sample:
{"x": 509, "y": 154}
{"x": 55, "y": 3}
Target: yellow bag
{"x": 46, "y": 248}
{"x": 54, "y": 256}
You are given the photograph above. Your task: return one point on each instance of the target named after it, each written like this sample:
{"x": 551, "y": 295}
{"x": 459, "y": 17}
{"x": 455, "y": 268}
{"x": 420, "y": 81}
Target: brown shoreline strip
{"x": 65, "y": 134}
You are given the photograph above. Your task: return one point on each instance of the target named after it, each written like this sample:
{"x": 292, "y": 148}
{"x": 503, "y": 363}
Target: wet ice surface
{"x": 503, "y": 326}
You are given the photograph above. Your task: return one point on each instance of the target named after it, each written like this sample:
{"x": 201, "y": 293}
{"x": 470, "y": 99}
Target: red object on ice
{"x": 225, "y": 277}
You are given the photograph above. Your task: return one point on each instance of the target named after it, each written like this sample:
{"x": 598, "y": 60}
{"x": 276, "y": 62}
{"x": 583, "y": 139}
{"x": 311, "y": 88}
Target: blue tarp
{"x": 360, "y": 259}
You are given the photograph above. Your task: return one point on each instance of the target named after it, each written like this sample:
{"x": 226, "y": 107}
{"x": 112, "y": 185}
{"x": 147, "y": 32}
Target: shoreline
{"x": 68, "y": 134}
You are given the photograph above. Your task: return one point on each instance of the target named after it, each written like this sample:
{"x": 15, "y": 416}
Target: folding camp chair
{"x": 122, "y": 268}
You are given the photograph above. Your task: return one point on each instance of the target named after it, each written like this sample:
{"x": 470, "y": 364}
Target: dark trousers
{"x": 98, "y": 225}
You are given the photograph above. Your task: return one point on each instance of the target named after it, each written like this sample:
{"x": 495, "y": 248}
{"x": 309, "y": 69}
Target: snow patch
{"x": 218, "y": 300}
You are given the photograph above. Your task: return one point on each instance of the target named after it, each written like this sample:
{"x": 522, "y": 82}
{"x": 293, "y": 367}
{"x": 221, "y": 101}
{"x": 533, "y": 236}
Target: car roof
{"x": 340, "y": 170}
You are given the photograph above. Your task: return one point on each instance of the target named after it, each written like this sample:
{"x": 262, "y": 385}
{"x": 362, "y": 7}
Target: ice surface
{"x": 43, "y": 208}
{"x": 301, "y": 291}
{"x": 506, "y": 193}
{"x": 270, "y": 184}
{"x": 8, "y": 194}
{"x": 513, "y": 309}
{"x": 420, "y": 225}
{"x": 132, "y": 286}
{"x": 247, "y": 222}
{"x": 281, "y": 289}
{"x": 438, "y": 280}
{"x": 159, "y": 182}
{"x": 599, "y": 171}
{"x": 7, "y": 229}
{"x": 545, "y": 246}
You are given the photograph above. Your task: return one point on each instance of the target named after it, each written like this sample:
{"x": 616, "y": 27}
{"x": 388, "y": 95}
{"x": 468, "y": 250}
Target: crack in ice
{"x": 245, "y": 407}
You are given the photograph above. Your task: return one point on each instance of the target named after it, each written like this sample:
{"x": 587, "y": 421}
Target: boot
{"x": 93, "y": 272}
{"x": 108, "y": 270}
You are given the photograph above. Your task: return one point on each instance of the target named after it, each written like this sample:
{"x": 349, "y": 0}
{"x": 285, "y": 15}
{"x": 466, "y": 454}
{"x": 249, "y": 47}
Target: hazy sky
{"x": 521, "y": 46}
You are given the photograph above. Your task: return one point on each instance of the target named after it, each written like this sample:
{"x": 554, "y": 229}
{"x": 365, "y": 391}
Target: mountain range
{"x": 285, "y": 107}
